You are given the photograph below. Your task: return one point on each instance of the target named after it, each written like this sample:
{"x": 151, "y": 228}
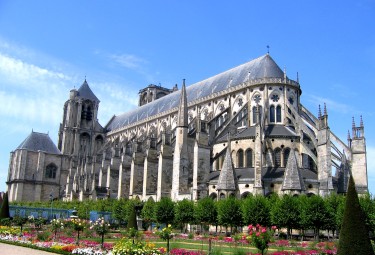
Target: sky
{"x": 48, "y": 48}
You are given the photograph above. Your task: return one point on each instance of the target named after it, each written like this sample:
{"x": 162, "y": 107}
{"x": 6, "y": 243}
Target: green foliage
{"x": 127, "y": 247}
{"x": 368, "y": 206}
{"x": 354, "y": 236}
{"x": 256, "y": 210}
{"x": 132, "y": 217}
{"x": 285, "y": 213}
{"x": 229, "y": 212}
{"x": 119, "y": 211}
{"x": 316, "y": 214}
{"x": 5, "y": 222}
{"x": 4, "y": 212}
{"x": 184, "y": 211}
{"x": 335, "y": 207}
{"x": 148, "y": 211}
{"x": 44, "y": 236}
{"x": 164, "y": 211}
{"x": 260, "y": 237}
{"x": 205, "y": 211}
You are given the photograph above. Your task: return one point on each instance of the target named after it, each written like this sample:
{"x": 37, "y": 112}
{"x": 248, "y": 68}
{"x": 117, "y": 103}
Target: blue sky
{"x": 48, "y": 47}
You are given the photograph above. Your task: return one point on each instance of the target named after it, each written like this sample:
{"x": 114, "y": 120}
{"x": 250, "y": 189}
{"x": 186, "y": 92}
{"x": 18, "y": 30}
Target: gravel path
{"x": 8, "y": 249}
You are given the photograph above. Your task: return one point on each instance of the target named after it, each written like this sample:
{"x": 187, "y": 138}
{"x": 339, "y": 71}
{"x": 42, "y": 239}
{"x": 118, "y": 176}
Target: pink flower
{"x": 264, "y": 230}
{"x": 273, "y": 227}
{"x": 257, "y": 234}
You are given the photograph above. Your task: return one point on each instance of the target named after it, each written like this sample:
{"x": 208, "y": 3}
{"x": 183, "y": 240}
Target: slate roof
{"x": 262, "y": 67}
{"x": 243, "y": 174}
{"x": 85, "y": 92}
{"x": 270, "y": 131}
{"x": 39, "y": 142}
{"x": 227, "y": 178}
{"x": 292, "y": 176}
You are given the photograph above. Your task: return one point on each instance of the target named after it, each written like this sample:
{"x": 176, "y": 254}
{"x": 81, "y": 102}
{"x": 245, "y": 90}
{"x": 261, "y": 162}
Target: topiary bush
{"x": 354, "y": 236}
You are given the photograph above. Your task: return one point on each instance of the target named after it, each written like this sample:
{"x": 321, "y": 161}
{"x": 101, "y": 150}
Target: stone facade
{"x": 241, "y": 132}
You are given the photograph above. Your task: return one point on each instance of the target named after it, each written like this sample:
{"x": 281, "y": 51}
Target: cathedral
{"x": 241, "y": 132}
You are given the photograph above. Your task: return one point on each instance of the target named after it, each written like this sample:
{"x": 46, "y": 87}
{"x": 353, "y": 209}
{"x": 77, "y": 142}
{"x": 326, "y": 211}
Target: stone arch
{"x": 246, "y": 194}
{"x": 51, "y": 171}
{"x": 213, "y": 195}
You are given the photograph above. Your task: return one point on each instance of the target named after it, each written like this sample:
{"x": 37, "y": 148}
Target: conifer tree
{"x": 4, "y": 213}
{"x": 354, "y": 236}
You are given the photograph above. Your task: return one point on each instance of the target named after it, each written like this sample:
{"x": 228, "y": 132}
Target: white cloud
{"x": 331, "y": 104}
{"x": 129, "y": 61}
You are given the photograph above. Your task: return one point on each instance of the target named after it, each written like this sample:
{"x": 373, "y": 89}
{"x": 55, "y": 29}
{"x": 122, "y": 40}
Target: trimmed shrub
{"x": 354, "y": 236}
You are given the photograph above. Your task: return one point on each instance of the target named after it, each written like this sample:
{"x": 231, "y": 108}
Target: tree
{"x": 4, "y": 213}
{"x": 164, "y": 211}
{"x": 229, "y": 212}
{"x": 334, "y": 206}
{"x": 132, "y": 216}
{"x": 354, "y": 235}
{"x": 285, "y": 213}
{"x": 256, "y": 210}
{"x": 205, "y": 212}
{"x": 316, "y": 214}
{"x": 368, "y": 208}
{"x": 119, "y": 211}
{"x": 184, "y": 212}
{"x": 148, "y": 212}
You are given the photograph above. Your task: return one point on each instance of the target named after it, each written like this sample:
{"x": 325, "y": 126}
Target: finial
{"x": 183, "y": 82}
{"x": 268, "y": 49}
{"x": 85, "y": 78}
{"x": 353, "y": 123}
{"x": 348, "y": 135}
{"x": 284, "y": 73}
{"x": 319, "y": 112}
{"x": 361, "y": 123}
{"x": 297, "y": 77}
{"x": 325, "y": 109}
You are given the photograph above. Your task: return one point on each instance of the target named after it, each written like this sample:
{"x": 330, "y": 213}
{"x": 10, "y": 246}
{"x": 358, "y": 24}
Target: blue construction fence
{"x": 53, "y": 213}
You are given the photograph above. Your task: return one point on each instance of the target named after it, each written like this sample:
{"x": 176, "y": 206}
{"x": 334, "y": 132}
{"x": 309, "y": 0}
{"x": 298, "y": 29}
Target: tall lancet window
{"x": 240, "y": 158}
{"x": 278, "y": 113}
{"x": 272, "y": 114}
{"x": 249, "y": 158}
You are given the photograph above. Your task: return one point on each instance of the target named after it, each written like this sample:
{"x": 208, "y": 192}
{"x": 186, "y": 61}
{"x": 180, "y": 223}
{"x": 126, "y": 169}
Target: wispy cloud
{"x": 331, "y": 104}
{"x": 129, "y": 61}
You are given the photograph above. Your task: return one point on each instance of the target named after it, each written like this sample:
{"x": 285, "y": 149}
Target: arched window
{"x": 240, "y": 158}
{"x": 249, "y": 158}
{"x": 51, "y": 170}
{"x": 278, "y": 113}
{"x": 286, "y": 156}
{"x": 272, "y": 113}
{"x": 277, "y": 157}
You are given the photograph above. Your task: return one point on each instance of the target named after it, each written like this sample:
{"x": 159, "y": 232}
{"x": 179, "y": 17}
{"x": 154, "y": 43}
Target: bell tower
{"x": 77, "y": 130}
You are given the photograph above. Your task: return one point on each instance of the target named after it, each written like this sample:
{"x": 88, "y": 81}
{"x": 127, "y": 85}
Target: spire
{"x": 325, "y": 109}
{"x": 227, "y": 178}
{"x": 292, "y": 176}
{"x": 182, "y": 118}
{"x": 284, "y": 73}
{"x": 297, "y": 77}
{"x": 348, "y": 135}
{"x": 361, "y": 123}
{"x": 319, "y": 113}
{"x": 353, "y": 122}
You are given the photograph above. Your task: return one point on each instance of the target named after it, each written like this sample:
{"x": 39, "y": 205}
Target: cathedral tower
{"x": 359, "y": 160}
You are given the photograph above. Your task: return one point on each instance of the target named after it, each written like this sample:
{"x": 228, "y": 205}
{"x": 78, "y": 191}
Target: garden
{"x": 254, "y": 225}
